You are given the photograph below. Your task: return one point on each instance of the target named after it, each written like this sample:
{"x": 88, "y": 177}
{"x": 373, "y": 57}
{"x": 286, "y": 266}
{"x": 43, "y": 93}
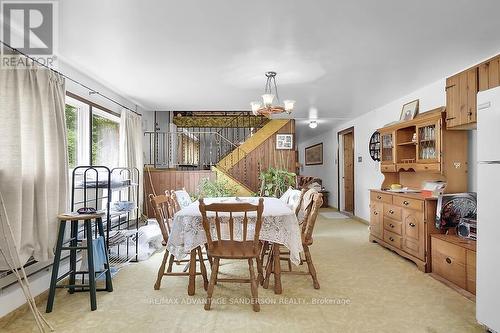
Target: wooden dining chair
{"x": 181, "y": 198}
{"x": 175, "y": 207}
{"x": 307, "y": 240}
{"x": 219, "y": 248}
{"x": 266, "y": 246}
{"x": 162, "y": 207}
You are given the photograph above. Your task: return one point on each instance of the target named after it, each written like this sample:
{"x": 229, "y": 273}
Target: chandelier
{"x": 267, "y": 108}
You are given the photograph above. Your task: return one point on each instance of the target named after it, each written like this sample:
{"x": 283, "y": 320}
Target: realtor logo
{"x": 30, "y": 27}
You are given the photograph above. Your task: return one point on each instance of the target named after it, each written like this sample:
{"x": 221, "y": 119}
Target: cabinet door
{"x": 376, "y": 212}
{"x": 461, "y": 98}
{"x": 387, "y": 140}
{"x": 413, "y": 233}
{"x": 428, "y": 142}
{"x": 469, "y": 112}
{"x": 489, "y": 74}
{"x": 452, "y": 101}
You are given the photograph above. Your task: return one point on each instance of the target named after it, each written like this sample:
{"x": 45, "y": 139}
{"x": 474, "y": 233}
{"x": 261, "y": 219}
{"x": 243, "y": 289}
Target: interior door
{"x": 349, "y": 172}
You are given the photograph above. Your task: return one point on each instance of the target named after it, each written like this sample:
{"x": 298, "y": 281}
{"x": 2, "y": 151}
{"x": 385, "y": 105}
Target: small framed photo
{"x": 314, "y": 154}
{"x": 284, "y": 141}
{"x": 409, "y": 110}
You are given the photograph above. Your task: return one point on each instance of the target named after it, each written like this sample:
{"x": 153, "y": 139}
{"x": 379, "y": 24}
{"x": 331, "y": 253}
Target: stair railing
{"x": 191, "y": 150}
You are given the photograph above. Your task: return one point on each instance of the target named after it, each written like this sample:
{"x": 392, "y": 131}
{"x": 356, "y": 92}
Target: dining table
{"x": 280, "y": 226}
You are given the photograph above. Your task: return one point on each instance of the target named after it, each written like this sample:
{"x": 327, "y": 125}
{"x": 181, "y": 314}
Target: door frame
{"x": 339, "y": 133}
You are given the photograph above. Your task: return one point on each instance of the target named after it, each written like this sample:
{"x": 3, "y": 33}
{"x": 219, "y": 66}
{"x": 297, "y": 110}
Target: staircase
{"x": 235, "y": 147}
{"x": 242, "y": 166}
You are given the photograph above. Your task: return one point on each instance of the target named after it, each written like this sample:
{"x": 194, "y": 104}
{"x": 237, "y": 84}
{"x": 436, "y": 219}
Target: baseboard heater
{"x": 7, "y": 278}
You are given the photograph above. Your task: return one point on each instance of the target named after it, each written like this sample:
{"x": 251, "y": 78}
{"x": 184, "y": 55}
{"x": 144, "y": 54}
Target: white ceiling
{"x": 337, "y": 59}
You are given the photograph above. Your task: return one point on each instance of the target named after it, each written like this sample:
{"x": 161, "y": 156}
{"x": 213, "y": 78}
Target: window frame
{"x": 86, "y": 110}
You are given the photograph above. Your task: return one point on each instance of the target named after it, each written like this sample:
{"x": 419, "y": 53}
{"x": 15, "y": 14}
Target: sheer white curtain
{"x": 131, "y": 154}
{"x": 33, "y": 157}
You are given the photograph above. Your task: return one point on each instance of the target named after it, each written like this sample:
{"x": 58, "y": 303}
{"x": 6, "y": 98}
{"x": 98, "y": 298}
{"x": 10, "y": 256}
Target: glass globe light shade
{"x": 289, "y": 104}
{"x": 268, "y": 99}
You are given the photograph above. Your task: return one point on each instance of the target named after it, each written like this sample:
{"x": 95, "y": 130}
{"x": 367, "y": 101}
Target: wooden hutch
{"x": 412, "y": 152}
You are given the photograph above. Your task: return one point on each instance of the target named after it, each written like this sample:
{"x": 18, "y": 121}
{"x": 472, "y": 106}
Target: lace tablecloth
{"x": 279, "y": 225}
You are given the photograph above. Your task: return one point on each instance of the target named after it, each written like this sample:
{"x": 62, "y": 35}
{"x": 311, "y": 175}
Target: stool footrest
{"x": 72, "y": 285}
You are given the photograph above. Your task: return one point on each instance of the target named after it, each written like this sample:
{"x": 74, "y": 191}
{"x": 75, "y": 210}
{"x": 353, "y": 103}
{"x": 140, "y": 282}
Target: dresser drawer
{"x": 393, "y": 239}
{"x": 448, "y": 261}
{"x": 408, "y": 203}
{"x": 381, "y": 197}
{"x": 388, "y": 167}
{"x": 428, "y": 167}
{"x": 446, "y": 249}
{"x": 471, "y": 271}
{"x": 394, "y": 212}
{"x": 393, "y": 226}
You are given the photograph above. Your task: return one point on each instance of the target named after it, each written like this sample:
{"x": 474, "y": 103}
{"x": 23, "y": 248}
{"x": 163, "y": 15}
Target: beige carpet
{"x": 371, "y": 288}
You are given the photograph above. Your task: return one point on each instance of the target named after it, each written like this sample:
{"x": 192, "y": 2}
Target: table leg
{"x": 192, "y": 273}
{"x": 277, "y": 270}
{"x": 203, "y": 269}
{"x": 269, "y": 268}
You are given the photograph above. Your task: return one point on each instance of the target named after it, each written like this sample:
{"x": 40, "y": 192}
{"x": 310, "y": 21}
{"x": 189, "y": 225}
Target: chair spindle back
{"x": 308, "y": 226}
{"x": 163, "y": 213}
{"x": 231, "y": 208}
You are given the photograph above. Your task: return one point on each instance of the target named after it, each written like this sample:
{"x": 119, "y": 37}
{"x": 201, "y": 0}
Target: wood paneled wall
{"x": 166, "y": 179}
{"x": 264, "y": 156}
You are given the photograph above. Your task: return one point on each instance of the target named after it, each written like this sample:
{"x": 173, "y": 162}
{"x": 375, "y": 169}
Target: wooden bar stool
{"x": 73, "y": 247}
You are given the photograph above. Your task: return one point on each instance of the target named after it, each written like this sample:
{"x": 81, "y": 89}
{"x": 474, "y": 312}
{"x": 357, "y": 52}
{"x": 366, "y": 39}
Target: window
{"x": 105, "y": 138}
{"x": 93, "y": 134}
{"x": 71, "y": 113}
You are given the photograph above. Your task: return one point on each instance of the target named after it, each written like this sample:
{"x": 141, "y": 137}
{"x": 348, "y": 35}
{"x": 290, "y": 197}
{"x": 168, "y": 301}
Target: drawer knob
{"x": 391, "y": 211}
{"x": 412, "y": 224}
{"x": 391, "y": 225}
{"x": 406, "y": 203}
{"x": 448, "y": 260}
{"x": 391, "y": 239}
{"x": 379, "y": 197}
{"x": 375, "y": 213}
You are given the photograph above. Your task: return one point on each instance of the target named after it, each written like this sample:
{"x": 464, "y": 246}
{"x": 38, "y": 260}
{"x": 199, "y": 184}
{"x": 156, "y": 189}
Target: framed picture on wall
{"x": 314, "y": 154}
{"x": 284, "y": 141}
{"x": 409, "y": 110}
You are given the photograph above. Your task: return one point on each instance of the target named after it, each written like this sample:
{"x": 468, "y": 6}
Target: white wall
{"x": 367, "y": 173}
{"x": 12, "y": 296}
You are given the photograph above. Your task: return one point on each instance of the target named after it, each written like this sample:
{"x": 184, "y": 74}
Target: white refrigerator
{"x": 488, "y": 209}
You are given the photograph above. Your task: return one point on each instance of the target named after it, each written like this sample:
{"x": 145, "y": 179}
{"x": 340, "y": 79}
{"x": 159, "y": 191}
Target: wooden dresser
{"x": 403, "y": 223}
{"x": 454, "y": 260}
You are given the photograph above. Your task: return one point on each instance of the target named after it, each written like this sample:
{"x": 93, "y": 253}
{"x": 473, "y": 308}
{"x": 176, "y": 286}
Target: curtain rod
{"x": 91, "y": 91}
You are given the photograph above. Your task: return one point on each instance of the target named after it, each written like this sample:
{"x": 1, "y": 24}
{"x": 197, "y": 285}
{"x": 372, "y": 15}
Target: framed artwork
{"x": 409, "y": 110}
{"x": 314, "y": 154}
{"x": 284, "y": 141}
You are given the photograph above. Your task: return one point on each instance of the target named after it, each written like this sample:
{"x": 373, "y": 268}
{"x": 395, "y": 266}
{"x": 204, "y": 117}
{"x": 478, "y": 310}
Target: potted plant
{"x": 275, "y": 182}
